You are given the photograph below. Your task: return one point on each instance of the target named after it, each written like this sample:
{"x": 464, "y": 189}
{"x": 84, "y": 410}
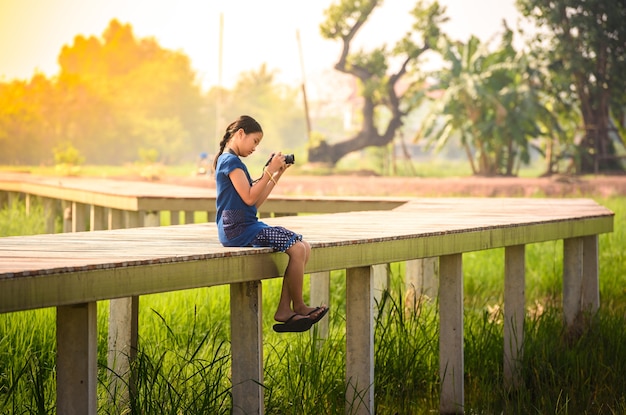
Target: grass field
{"x": 183, "y": 359}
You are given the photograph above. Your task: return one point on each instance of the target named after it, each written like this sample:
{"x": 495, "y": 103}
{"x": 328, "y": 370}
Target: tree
{"x": 491, "y": 101}
{"x": 275, "y": 106}
{"x": 113, "y": 95}
{"x": 585, "y": 42}
{"x": 21, "y": 122}
{"x": 147, "y": 96}
{"x": 389, "y": 94}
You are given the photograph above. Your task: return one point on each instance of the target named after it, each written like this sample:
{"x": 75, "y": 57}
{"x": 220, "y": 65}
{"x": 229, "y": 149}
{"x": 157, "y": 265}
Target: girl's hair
{"x": 245, "y": 122}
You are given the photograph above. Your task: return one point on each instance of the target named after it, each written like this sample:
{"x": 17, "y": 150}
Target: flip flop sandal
{"x": 294, "y": 326}
{"x": 322, "y": 314}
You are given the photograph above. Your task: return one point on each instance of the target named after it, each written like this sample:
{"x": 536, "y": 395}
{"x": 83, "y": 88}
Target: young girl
{"x": 239, "y": 197}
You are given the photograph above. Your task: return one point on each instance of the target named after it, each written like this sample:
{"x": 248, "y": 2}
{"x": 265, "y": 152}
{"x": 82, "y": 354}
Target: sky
{"x": 253, "y": 32}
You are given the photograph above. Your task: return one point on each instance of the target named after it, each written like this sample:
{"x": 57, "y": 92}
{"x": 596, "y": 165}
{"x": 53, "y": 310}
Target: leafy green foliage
{"x": 584, "y": 41}
{"x": 489, "y": 100}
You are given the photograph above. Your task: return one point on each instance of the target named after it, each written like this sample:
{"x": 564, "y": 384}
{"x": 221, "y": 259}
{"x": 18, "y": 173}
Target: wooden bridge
{"x": 72, "y": 271}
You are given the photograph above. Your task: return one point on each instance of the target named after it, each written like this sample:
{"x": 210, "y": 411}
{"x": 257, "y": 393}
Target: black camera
{"x": 289, "y": 159}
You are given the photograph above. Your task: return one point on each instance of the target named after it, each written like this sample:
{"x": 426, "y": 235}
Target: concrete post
{"x": 359, "y": 341}
{"x": 67, "y": 216}
{"x": 189, "y": 217}
{"x": 50, "y": 213}
{"x": 133, "y": 219}
{"x": 421, "y": 279}
{"x": 122, "y": 343}
{"x": 115, "y": 219}
{"x": 514, "y": 311}
{"x": 380, "y": 275}
{"x": 247, "y": 347}
{"x": 320, "y": 294}
{"x": 451, "y": 363}
{"x": 77, "y": 359}
{"x": 152, "y": 218}
{"x": 591, "y": 289}
{"x": 175, "y": 217}
{"x": 572, "y": 280}
{"x": 79, "y": 217}
{"x": 97, "y": 218}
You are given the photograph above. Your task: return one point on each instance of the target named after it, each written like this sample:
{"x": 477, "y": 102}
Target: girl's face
{"x": 248, "y": 143}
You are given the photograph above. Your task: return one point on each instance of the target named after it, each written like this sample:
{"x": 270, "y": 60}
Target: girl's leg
{"x": 291, "y": 300}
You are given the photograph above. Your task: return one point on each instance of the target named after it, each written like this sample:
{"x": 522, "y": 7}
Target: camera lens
{"x": 290, "y": 159}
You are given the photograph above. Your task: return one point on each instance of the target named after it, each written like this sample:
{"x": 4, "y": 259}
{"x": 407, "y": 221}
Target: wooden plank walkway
{"x": 138, "y": 196}
{"x": 422, "y": 228}
{"x": 81, "y": 268}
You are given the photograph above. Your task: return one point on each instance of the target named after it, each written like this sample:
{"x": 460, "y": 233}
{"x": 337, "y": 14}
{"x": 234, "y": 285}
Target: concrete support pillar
{"x": 152, "y": 218}
{"x": 97, "y": 218}
{"x": 359, "y": 341}
{"x": 572, "y": 280}
{"x": 79, "y": 217}
{"x": 189, "y": 217}
{"x": 175, "y": 217}
{"x": 514, "y": 311}
{"x": 50, "y": 213}
{"x": 133, "y": 219}
{"x": 77, "y": 359}
{"x": 115, "y": 219}
{"x": 421, "y": 279}
{"x": 122, "y": 343}
{"x": 67, "y": 216}
{"x": 28, "y": 203}
{"x": 319, "y": 295}
{"x": 451, "y": 363}
{"x": 247, "y": 347}
{"x": 591, "y": 272}
{"x": 380, "y": 274}
{"x": 211, "y": 216}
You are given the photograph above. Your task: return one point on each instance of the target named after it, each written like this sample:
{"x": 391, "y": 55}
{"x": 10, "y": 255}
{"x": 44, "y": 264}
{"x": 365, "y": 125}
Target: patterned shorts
{"x": 276, "y": 237}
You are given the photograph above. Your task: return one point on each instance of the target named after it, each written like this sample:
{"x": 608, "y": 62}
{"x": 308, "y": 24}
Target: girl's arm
{"x": 260, "y": 190}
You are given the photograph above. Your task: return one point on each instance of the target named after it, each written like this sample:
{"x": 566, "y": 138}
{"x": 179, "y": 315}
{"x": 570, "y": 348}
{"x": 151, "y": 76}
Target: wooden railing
{"x": 73, "y": 271}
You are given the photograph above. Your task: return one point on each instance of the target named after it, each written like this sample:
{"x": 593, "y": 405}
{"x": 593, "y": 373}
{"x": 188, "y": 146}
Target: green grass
{"x": 183, "y": 359}
{"x": 15, "y": 220}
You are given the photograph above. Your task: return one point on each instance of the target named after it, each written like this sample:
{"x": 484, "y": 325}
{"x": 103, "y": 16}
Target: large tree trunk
{"x": 332, "y": 153}
{"x": 597, "y": 151}
{"x": 368, "y": 136}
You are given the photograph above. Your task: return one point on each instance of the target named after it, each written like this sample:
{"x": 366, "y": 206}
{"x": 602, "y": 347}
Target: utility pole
{"x": 218, "y": 104}
{"x": 306, "y": 103}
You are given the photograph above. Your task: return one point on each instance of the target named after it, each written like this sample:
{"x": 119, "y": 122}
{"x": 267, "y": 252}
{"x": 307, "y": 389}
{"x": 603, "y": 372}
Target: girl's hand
{"x": 277, "y": 164}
